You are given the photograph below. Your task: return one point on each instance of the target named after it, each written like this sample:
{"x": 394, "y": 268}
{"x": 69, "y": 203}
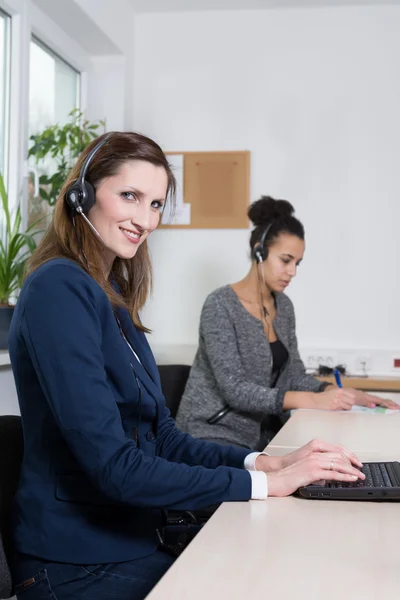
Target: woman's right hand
{"x": 334, "y": 398}
{"x": 330, "y": 466}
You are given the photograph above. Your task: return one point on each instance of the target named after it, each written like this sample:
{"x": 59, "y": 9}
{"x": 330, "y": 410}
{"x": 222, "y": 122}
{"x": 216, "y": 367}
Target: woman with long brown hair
{"x": 102, "y": 456}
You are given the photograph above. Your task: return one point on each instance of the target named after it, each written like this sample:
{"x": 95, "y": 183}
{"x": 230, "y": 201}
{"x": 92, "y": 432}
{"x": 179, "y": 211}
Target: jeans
{"x": 37, "y": 579}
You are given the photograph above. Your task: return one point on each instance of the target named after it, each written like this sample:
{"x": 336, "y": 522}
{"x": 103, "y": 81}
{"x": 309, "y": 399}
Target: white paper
{"x": 378, "y": 410}
{"x": 182, "y": 213}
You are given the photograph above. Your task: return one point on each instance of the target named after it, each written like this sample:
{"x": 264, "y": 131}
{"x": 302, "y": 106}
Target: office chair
{"x": 173, "y": 382}
{"x": 11, "y": 452}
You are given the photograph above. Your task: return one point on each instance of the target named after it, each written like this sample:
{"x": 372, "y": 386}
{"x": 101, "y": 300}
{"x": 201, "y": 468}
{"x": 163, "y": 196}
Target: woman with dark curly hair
{"x": 247, "y": 373}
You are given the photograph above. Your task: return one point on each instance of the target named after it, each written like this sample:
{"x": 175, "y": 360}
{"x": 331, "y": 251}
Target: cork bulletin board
{"x": 213, "y": 190}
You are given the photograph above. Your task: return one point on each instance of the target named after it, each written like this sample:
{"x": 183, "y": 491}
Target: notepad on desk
{"x": 381, "y": 410}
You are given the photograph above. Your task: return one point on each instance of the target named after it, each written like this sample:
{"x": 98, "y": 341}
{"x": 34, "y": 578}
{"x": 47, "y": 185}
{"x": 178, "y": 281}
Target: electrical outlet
{"x": 363, "y": 365}
{"x": 328, "y": 359}
{"x": 311, "y": 362}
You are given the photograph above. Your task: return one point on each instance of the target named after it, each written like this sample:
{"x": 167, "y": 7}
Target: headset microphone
{"x": 92, "y": 227}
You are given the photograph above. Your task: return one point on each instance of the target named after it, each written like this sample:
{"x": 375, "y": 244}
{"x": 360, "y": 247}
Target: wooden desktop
{"x": 369, "y": 384}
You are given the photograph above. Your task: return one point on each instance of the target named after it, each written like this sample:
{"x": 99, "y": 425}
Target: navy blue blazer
{"x": 102, "y": 455}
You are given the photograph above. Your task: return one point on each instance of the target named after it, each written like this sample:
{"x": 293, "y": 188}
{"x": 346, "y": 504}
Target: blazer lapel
{"x": 146, "y": 369}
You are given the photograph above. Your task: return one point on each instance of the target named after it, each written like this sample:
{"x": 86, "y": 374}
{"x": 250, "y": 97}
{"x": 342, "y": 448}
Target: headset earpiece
{"x": 81, "y": 196}
{"x": 260, "y": 251}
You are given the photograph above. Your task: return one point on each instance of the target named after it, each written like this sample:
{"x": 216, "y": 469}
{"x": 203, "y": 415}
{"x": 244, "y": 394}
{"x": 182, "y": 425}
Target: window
{"x": 54, "y": 90}
{"x": 4, "y": 89}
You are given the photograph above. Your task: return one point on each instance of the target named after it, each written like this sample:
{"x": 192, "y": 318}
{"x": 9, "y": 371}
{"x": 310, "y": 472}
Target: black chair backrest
{"x": 11, "y": 452}
{"x": 173, "y": 381}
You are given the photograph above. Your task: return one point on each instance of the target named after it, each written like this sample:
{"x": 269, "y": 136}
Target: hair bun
{"x": 266, "y": 209}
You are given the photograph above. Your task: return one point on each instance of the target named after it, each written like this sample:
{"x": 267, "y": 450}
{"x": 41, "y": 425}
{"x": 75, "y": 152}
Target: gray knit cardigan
{"x": 233, "y": 366}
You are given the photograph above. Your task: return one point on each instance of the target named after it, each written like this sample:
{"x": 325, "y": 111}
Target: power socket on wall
{"x": 358, "y": 362}
{"x": 359, "y": 365}
{"x": 315, "y": 359}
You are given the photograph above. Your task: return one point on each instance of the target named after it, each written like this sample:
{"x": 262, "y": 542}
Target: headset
{"x": 80, "y": 196}
{"x": 260, "y": 254}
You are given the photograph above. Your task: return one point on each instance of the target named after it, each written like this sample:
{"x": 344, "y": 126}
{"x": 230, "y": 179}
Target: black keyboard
{"x": 376, "y": 476}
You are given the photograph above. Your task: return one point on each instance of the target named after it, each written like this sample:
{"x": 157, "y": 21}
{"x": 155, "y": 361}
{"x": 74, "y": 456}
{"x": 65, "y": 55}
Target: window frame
{"x": 49, "y": 50}
{"x": 6, "y": 109}
{"x": 28, "y": 21}
{"x": 16, "y": 9}
{"x": 35, "y": 127}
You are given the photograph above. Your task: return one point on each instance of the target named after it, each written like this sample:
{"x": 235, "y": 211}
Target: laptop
{"x": 382, "y": 482}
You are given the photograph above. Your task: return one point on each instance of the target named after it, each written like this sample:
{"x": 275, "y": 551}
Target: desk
{"x": 287, "y": 548}
{"x": 4, "y": 358}
{"x": 8, "y": 393}
{"x": 372, "y": 435}
{"x": 369, "y": 384}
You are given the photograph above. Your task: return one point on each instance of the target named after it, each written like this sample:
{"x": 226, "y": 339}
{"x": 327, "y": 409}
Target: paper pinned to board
{"x": 182, "y": 213}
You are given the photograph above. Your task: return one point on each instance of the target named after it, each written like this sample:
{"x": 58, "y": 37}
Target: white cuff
{"x": 250, "y": 460}
{"x": 259, "y": 485}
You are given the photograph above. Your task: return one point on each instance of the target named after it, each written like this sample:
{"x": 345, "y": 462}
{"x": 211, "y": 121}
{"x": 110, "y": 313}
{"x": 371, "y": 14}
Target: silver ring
{"x": 332, "y": 462}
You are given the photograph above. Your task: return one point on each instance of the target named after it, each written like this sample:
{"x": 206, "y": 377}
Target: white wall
{"x": 106, "y": 91}
{"x": 8, "y": 393}
{"x": 116, "y": 20}
{"x": 314, "y": 94}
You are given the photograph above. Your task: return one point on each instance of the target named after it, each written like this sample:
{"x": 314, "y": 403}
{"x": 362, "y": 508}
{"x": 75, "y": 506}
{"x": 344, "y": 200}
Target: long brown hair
{"x": 64, "y": 239}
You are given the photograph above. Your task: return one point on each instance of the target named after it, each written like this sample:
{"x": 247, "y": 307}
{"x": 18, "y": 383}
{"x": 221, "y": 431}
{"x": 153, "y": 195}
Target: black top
{"x": 279, "y": 358}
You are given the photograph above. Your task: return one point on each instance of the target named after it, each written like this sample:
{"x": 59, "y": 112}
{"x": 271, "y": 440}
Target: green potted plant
{"x": 55, "y": 150}
{"x": 15, "y": 248}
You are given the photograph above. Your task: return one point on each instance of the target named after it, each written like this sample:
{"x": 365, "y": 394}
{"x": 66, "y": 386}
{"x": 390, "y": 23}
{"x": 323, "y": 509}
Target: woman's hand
{"x": 331, "y": 466}
{"x": 364, "y": 399}
{"x": 269, "y": 464}
{"x": 334, "y": 398}
{"x": 319, "y": 446}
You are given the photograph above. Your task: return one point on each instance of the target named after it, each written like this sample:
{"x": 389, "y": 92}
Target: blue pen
{"x": 337, "y": 377}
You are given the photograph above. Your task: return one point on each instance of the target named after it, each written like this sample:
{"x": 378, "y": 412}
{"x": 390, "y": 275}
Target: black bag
{"x": 180, "y": 527}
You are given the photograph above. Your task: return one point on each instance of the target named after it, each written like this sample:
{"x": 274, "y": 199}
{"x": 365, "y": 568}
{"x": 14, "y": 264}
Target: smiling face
{"x": 284, "y": 256}
{"x": 128, "y": 207}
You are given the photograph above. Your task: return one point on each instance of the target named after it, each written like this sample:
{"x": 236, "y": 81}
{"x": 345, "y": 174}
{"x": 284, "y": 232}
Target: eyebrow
{"x": 141, "y": 194}
{"x": 291, "y": 256}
